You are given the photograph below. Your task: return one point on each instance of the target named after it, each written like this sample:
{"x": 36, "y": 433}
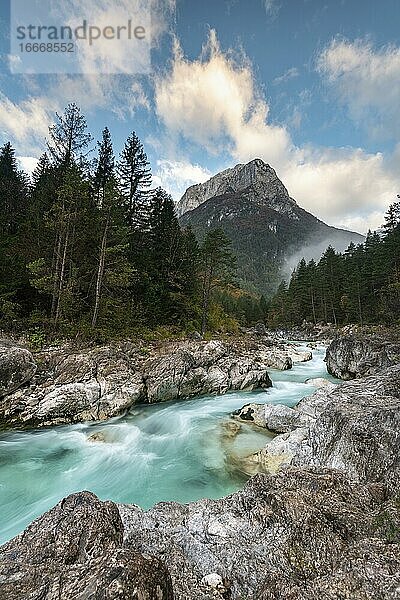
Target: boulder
{"x": 351, "y": 356}
{"x": 206, "y": 368}
{"x": 354, "y": 427}
{"x": 312, "y": 532}
{"x": 17, "y": 366}
{"x": 320, "y": 382}
{"x": 275, "y": 417}
{"x": 76, "y": 551}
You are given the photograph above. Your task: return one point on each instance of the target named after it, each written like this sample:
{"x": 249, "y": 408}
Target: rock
{"x": 352, "y": 356}
{"x": 73, "y": 387}
{"x": 354, "y": 427}
{"x": 231, "y": 429}
{"x": 97, "y": 437}
{"x": 320, "y": 382}
{"x": 100, "y": 383}
{"x": 76, "y": 551}
{"x": 313, "y": 532}
{"x": 276, "y": 358}
{"x": 275, "y": 417}
{"x": 207, "y": 368}
{"x": 280, "y": 451}
{"x": 300, "y": 355}
{"x": 17, "y": 366}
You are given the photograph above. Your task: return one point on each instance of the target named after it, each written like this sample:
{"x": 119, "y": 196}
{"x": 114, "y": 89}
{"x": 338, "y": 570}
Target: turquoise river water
{"x": 175, "y": 451}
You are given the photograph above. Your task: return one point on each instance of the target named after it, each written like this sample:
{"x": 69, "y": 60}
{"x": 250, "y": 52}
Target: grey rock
{"x": 351, "y": 356}
{"x": 17, "y": 366}
{"x": 256, "y": 173}
{"x": 75, "y": 551}
{"x": 100, "y": 383}
{"x": 204, "y": 368}
{"x": 354, "y": 427}
{"x": 311, "y": 532}
{"x": 320, "y": 382}
{"x": 275, "y": 417}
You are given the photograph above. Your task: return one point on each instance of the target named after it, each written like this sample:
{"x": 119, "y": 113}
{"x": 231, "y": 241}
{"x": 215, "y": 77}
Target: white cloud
{"x": 215, "y": 102}
{"x": 367, "y": 81}
{"x": 177, "y": 176}
{"x": 26, "y": 123}
{"x": 291, "y": 73}
{"x": 27, "y": 163}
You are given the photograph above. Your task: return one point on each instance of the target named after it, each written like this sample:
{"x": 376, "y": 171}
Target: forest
{"x": 88, "y": 249}
{"x": 362, "y": 285}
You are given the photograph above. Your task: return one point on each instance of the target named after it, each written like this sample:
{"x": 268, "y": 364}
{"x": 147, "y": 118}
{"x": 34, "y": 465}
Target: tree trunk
{"x": 62, "y": 274}
{"x": 100, "y": 274}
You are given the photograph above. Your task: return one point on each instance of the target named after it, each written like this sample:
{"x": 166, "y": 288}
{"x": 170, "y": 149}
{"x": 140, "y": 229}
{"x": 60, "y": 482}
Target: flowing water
{"x": 175, "y": 451}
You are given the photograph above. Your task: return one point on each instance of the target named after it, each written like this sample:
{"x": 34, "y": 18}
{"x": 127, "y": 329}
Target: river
{"x": 175, "y": 451}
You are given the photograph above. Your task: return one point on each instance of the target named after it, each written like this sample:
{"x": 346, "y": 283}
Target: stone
{"x": 351, "y": 356}
{"x": 17, "y": 366}
{"x": 275, "y": 417}
{"x": 98, "y": 437}
{"x": 320, "y": 382}
{"x": 76, "y": 551}
{"x": 300, "y": 529}
{"x": 96, "y": 384}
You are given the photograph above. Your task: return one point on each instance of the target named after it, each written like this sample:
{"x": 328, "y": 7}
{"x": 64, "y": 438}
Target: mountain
{"x": 270, "y": 232}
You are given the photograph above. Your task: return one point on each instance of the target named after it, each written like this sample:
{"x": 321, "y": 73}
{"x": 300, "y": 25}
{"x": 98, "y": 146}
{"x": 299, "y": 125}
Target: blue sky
{"x": 310, "y": 86}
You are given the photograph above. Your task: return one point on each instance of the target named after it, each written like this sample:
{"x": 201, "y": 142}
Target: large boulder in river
{"x": 17, "y": 366}
{"x": 209, "y": 368}
{"x": 76, "y": 551}
{"x": 352, "y": 356}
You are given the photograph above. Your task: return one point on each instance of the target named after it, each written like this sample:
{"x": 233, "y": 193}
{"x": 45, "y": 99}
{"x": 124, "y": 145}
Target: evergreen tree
{"x": 135, "y": 180}
{"x": 217, "y": 269}
{"x": 68, "y": 138}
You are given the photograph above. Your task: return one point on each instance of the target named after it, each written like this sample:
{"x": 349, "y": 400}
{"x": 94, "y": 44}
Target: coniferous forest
{"x": 89, "y": 249}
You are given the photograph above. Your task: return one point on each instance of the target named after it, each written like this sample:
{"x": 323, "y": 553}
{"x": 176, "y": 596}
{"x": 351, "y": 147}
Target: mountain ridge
{"x": 267, "y": 227}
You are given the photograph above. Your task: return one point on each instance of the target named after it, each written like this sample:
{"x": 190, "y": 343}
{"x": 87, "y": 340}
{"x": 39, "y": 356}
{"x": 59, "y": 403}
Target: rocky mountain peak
{"x": 265, "y": 185}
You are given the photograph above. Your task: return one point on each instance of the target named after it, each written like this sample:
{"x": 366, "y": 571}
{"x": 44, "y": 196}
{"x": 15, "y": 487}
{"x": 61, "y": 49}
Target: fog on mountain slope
{"x": 269, "y": 231}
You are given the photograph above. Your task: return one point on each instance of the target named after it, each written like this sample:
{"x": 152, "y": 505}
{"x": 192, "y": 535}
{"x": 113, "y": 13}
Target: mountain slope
{"x": 269, "y": 231}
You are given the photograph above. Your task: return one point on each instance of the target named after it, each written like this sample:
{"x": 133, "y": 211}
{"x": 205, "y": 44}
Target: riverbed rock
{"x": 351, "y": 356}
{"x": 275, "y": 417}
{"x": 354, "y": 427}
{"x": 17, "y": 366}
{"x": 303, "y": 533}
{"x": 99, "y": 383}
{"x": 320, "y": 382}
{"x": 76, "y": 551}
{"x": 208, "y": 368}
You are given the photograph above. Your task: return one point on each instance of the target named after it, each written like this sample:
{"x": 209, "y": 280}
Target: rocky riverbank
{"x": 323, "y": 524}
{"x": 63, "y": 385}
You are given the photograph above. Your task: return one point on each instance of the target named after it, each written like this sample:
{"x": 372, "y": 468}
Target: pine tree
{"x": 68, "y": 138}
{"x": 135, "y": 180}
{"x": 218, "y": 266}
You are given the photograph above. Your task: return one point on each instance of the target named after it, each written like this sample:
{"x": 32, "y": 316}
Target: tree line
{"x": 87, "y": 247}
{"x": 361, "y": 285}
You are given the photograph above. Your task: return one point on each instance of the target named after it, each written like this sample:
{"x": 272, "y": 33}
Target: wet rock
{"x": 299, "y": 356}
{"x": 320, "y": 382}
{"x": 75, "y": 551}
{"x": 98, "y": 437}
{"x": 275, "y": 417}
{"x": 351, "y": 356}
{"x": 208, "y": 368}
{"x": 230, "y": 429}
{"x": 17, "y": 366}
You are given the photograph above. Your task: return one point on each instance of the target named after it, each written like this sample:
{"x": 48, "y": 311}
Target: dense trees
{"x": 362, "y": 285}
{"x": 87, "y": 247}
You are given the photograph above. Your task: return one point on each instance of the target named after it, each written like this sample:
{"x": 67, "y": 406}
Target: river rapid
{"x": 180, "y": 451}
